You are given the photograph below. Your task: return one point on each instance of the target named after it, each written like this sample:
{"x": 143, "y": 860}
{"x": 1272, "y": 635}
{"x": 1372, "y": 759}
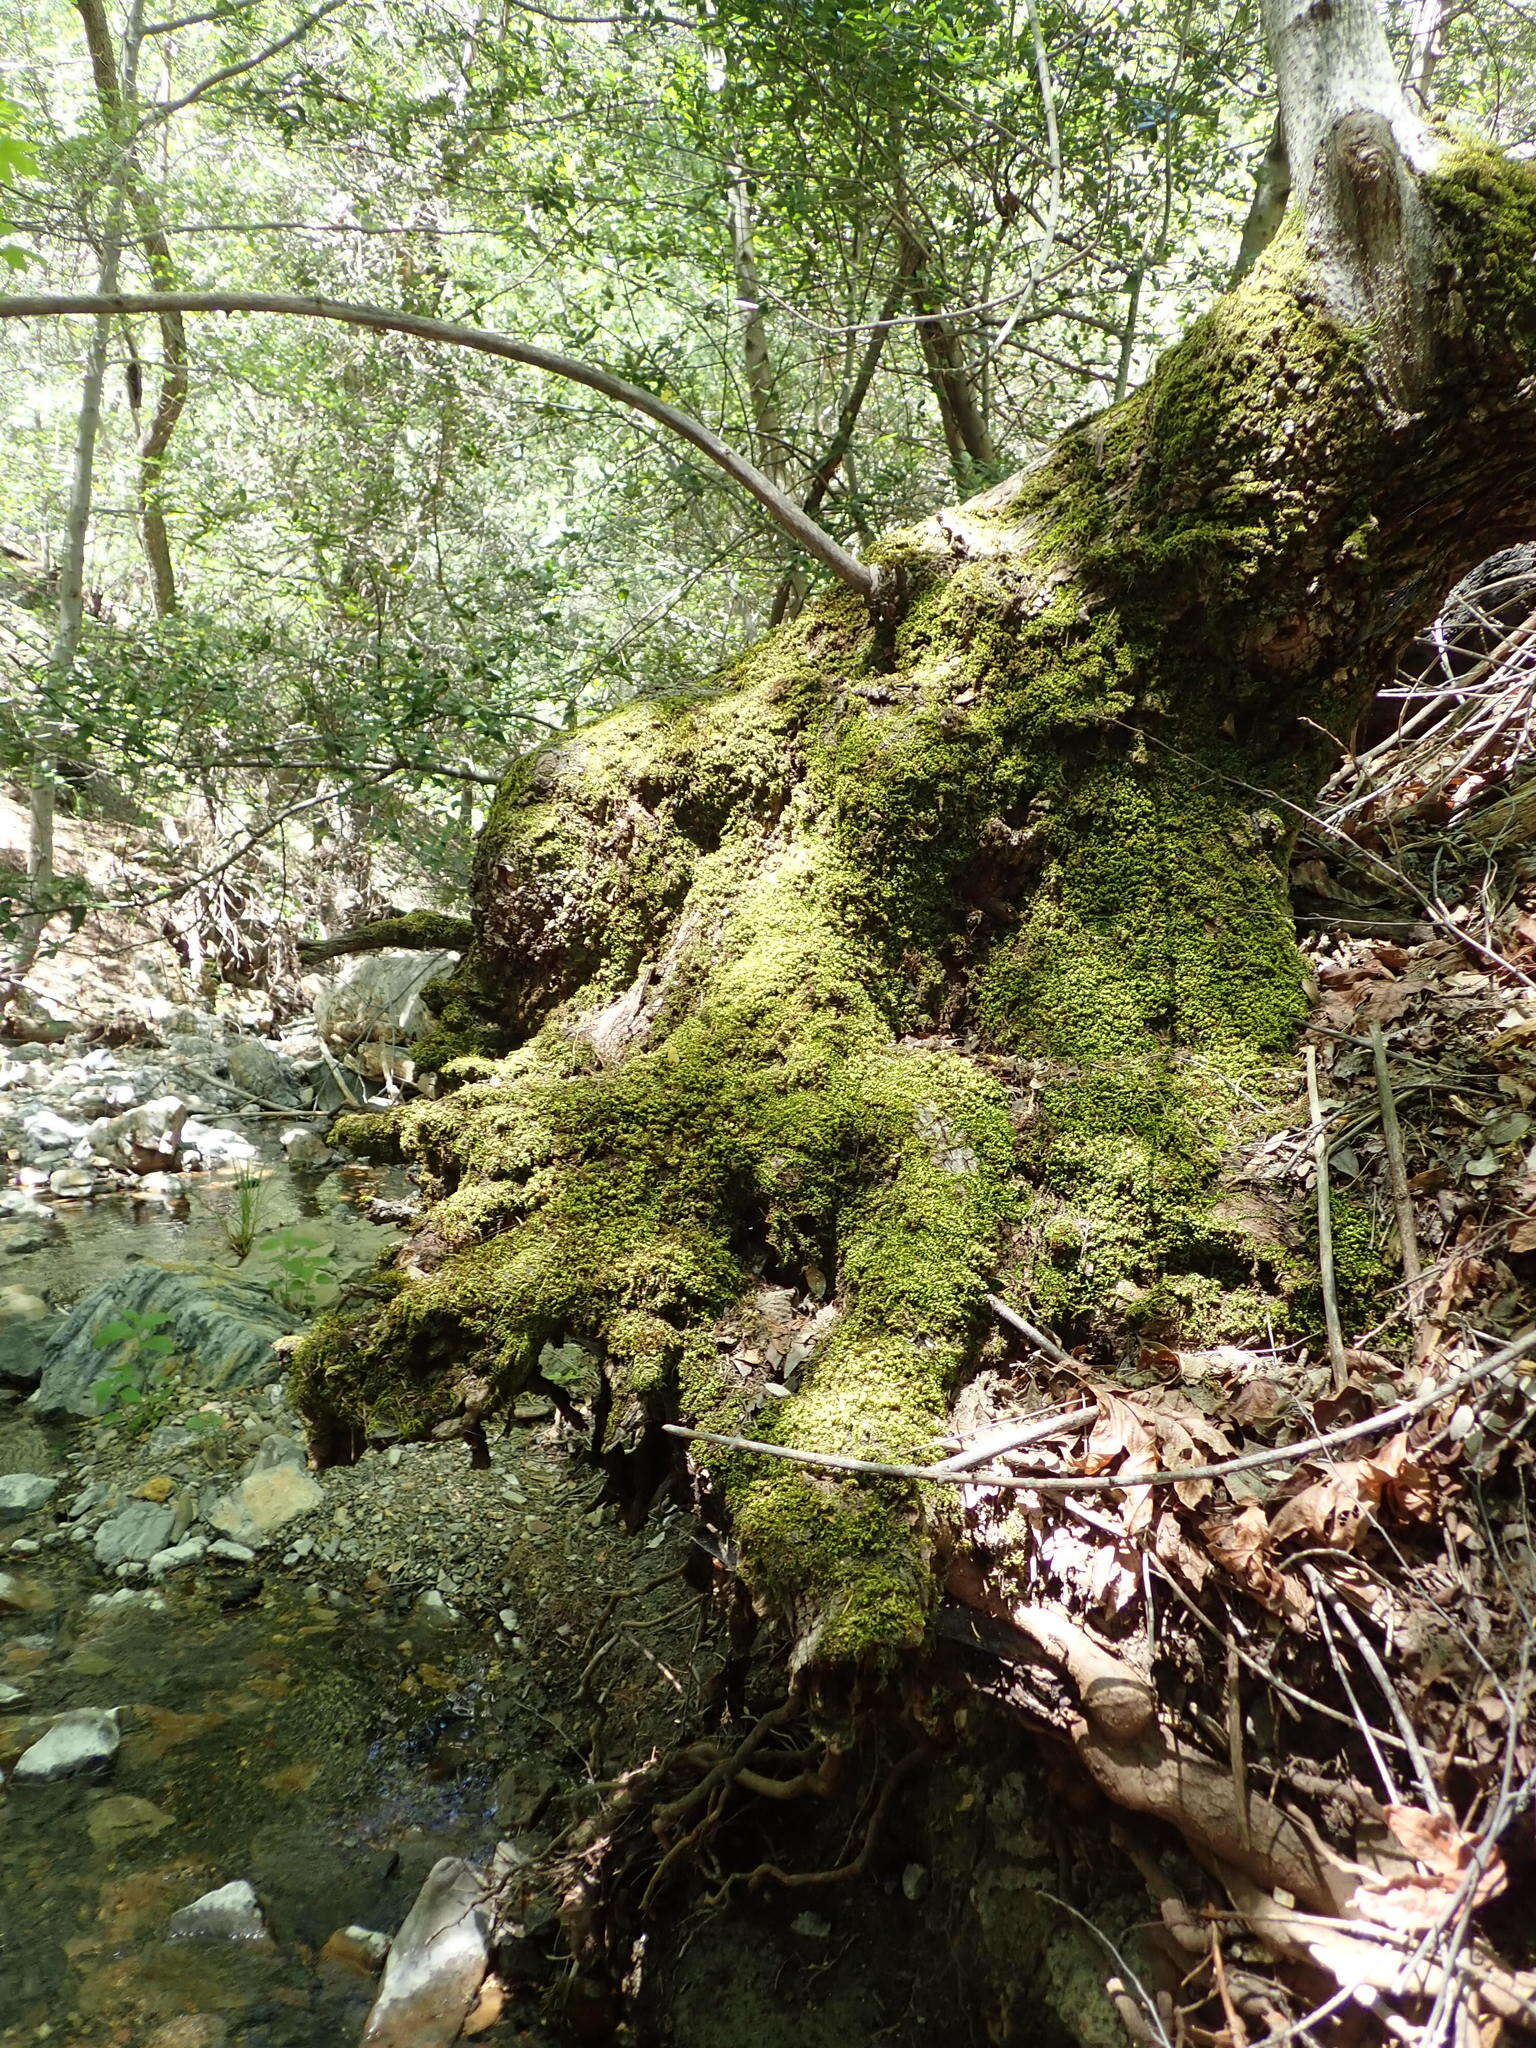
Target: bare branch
{"x": 814, "y": 539}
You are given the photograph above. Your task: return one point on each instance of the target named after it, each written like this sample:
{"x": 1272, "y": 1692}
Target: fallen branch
{"x": 1336, "y": 1353}
{"x": 1249, "y": 1461}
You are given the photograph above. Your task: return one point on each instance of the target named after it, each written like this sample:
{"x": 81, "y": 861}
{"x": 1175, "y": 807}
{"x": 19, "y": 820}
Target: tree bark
{"x": 972, "y": 450}
{"x": 1271, "y": 197}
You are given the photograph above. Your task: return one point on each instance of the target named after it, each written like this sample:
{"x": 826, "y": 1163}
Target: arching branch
{"x": 803, "y": 530}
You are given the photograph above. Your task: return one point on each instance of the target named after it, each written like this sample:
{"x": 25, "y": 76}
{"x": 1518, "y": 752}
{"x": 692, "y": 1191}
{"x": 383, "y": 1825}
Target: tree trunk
{"x": 927, "y": 958}
{"x": 171, "y": 398}
{"x": 972, "y": 451}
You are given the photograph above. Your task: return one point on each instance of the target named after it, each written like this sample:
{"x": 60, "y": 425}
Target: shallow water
{"x": 273, "y": 1743}
{"x": 268, "y": 1734}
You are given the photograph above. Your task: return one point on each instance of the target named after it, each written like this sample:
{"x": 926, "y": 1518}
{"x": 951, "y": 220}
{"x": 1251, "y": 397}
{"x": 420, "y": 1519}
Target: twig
{"x": 1383, "y": 1769}
{"x": 1325, "y": 1228}
{"x": 998, "y": 1441}
{"x": 1397, "y": 1181}
{"x": 1377, "y": 1669}
{"x": 1043, "y": 1344}
{"x": 1249, "y": 1461}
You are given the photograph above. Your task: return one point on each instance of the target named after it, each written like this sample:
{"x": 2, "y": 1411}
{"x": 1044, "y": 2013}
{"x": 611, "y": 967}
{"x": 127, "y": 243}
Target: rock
{"x": 134, "y": 1534}
{"x": 178, "y": 1557}
{"x": 18, "y": 1596}
{"x": 256, "y": 1068}
{"x": 44, "y": 1132}
{"x": 379, "y": 997}
{"x": 161, "y": 1187}
{"x": 437, "y": 1963}
{"x": 357, "y": 1948}
{"x": 144, "y": 1140}
{"x": 10, "y": 1694}
{"x": 25, "y": 1546}
{"x": 306, "y": 1148}
{"x": 263, "y": 1501}
{"x": 222, "y": 1326}
{"x": 215, "y": 1146}
{"x": 231, "y": 1553}
{"x": 23, "y": 1493}
{"x": 159, "y": 1488}
{"x": 71, "y": 1183}
{"x": 121, "y": 1818}
{"x": 228, "y": 1914}
{"x": 126, "y": 1596}
{"x": 84, "y": 1740}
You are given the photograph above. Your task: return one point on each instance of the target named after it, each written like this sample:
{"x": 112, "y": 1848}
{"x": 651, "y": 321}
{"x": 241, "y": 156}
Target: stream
{"x": 393, "y": 1677}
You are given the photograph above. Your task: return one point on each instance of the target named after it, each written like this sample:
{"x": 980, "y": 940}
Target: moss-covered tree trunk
{"x": 930, "y": 953}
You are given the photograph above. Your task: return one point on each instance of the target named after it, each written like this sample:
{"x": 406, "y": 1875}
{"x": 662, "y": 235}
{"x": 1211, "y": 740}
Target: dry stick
{"x": 997, "y": 1441}
{"x": 1046, "y": 1345}
{"x": 1402, "y": 1200}
{"x": 1109, "y": 1482}
{"x": 1378, "y": 1671}
{"x": 1336, "y": 1355}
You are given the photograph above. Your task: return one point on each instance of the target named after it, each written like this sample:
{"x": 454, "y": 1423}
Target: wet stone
{"x": 229, "y": 1914}
{"x": 134, "y": 1535}
{"x": 81, "y": 1742}
{"x": 24, "y": 1493}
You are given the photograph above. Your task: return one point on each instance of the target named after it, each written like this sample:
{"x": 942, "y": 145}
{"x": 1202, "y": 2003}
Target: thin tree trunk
{"x": 41, "y": 861}
{"x": 972, "y": 449}
{"x": 789, "y": 593}
{"x": 773, "y": 454}
{"x": 171, "y": 398}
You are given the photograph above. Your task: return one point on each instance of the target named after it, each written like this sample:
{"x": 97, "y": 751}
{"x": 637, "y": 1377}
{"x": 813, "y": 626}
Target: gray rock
{"x": 44, "y": 1132}
{"x": 71, "y": 1183}
{"x": 178, "y": 1557}
{"x": 146, "y": 1139}
{"x": 216, "y": 1146}
{"x": 437, "y": 1962}
{"x": 161, "y": 1187}
{"x": 228, "y": 1914}
{"x": 134, "y": 1534}
{"x": 306, "y": 1148}
{"x": 255, "y": 1067}
{"x": 126, "y": 1596}
{"x": 10, "y": 1694}
{"x": 23, "y": 1493}
{"x": 223, "y": 1328}
{"x": 379, "y": 997}
{"x": 231, "y": 1553}
{"x": 84, "y": 1740}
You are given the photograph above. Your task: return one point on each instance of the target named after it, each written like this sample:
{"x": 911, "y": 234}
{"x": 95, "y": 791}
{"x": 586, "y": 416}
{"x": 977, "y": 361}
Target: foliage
{"x": 136, "y": 1389}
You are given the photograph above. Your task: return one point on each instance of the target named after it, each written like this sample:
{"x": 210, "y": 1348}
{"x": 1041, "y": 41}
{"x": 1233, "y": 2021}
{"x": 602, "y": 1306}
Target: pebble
{"x": 231, "y": 1553}
{"x": 178, "y": 1557}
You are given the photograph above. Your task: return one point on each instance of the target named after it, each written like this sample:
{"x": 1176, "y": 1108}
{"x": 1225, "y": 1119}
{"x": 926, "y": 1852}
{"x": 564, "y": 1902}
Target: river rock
{"x": 44, "y": 1132}
{"x": 22, "y": 1596}
{"x": 362, "y": 1949}
{"x": 146, "y": 1139}
{"x": 263, "y": 1501}
{"x": 437, "y": 1963}
{"x": 23, "y": 1493}
{"x": 134, "y": 1534}
{"x": 84, "y": 1740}
{"x": 216, "y": 1146}
{"x": 26, "y": 1322}
{"x": 254, "y": 1066}
{"x": 228, "y": 1914}
{"x": 379, "y": 997}
{"x": 121, "y": 1818}
{"x": 305, "y": 1147}
{"x": 223, "y": 1328}
{"x": 178, "y": 1557}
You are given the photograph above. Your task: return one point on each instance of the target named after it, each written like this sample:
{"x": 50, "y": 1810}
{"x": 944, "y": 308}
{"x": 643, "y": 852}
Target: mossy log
{"x": 947, "y": 949}
{"x": 408, "y": 931}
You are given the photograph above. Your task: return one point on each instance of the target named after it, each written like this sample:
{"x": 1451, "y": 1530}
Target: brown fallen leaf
{"x": 1448, "y": 1873}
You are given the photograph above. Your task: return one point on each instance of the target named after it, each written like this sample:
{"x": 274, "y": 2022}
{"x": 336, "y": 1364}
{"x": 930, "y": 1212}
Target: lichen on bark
{"x": 917, "y": 953}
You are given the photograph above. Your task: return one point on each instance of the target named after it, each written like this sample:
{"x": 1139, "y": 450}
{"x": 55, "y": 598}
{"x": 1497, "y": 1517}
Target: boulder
{"x": 223, "y": 1328}
{"x": 437, "y": 1963}
{"x": 23, "y": 1493}
{"x": 80, "y": 1742}
{"x": 144, "y": 1140}
{"x": 25, "y": 1322}
{"x": 379, "y": 997}
{"x": 229, "y": 1914}
{"x": 305, "y": 1147}
{"x": 264, "y": 1500}
{"x": 256, "y": 1068}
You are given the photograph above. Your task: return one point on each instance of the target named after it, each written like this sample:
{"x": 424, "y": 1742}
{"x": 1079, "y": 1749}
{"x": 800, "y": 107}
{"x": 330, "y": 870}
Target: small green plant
{"x": 242, "y": 1228}
{"x": 303, "y": 1277}
{"x": 136, "y": 1388}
